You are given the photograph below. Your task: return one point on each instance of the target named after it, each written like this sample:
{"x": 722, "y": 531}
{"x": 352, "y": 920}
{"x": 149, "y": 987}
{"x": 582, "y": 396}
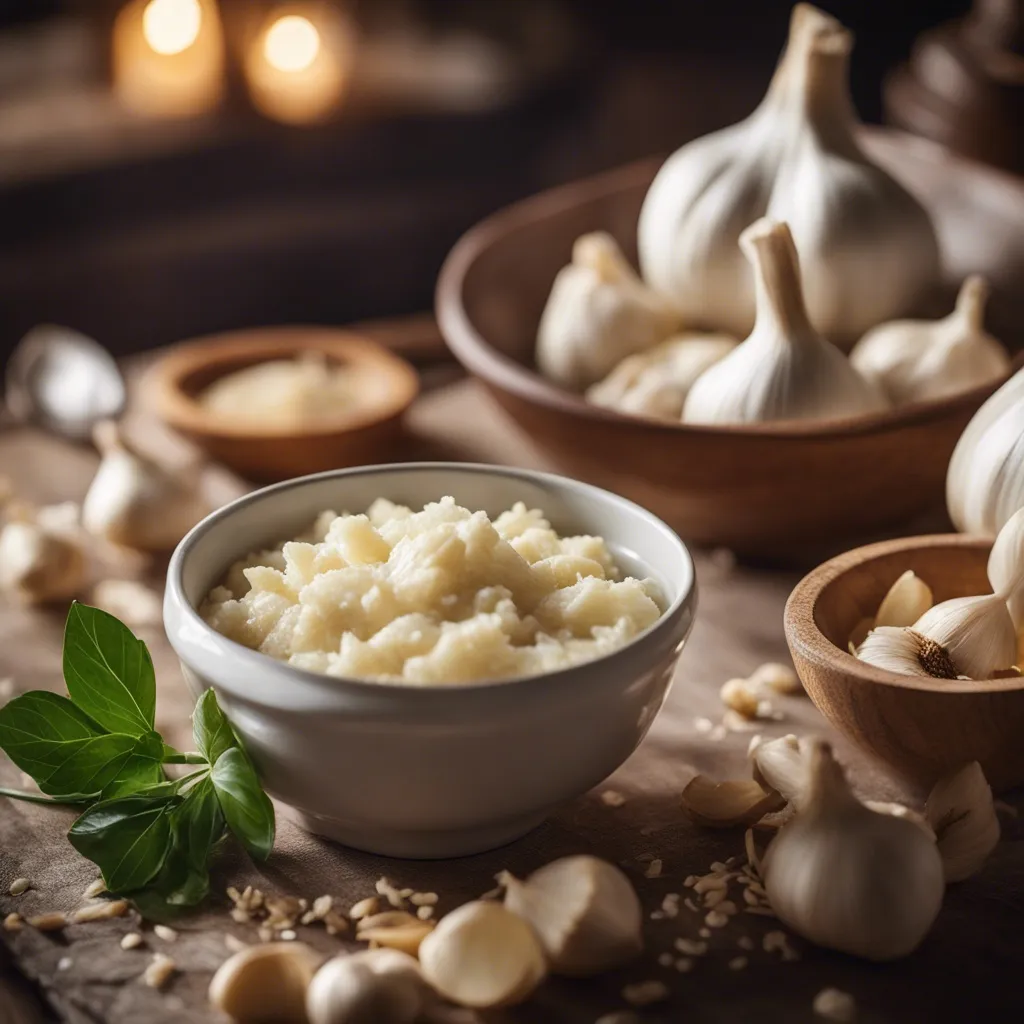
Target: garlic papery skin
{"x": 922, "y": 360}
{"x": 41, "y": 557}
{"x": 905, "y": 652}
{"x": 869, "y": 248}
{"x": 483, "y": 955}
{"x": 598, "y": 313}
{"x": 784, "y": 370}
{"x": 849, "y": 879}
{"x": 1006, "y": 567}
{"x": 656, "y": 383}
{"x": 377, "y": 986}
{"x": 135, "y": 503}
{"x": 585, "y": 913}
{"x": 905, "y": 601}
{"x": 961, "y": 811}
{"x": 976, "y": 632}
{"x": 265, "y": 983}
{"x": 985, "y": 481}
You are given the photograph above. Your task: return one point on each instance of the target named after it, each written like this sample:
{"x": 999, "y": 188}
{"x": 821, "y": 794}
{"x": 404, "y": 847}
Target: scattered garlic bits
{"x": 833, "y": 1005}
{"x": 159, "y": 971}
{"x": 433, "y": 598}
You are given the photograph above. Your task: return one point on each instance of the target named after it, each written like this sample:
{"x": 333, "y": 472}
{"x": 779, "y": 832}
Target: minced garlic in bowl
{"x": 438, "y": 597}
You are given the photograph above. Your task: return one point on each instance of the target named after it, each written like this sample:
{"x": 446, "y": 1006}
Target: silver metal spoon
{"x": 63, "y": 381}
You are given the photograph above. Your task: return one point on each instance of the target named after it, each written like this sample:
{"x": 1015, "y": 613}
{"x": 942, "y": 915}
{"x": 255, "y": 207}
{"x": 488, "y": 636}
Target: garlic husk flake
{"x": 585, "y": 913}
{"x": 784, "y": 370}
{"x": 976, "y": 632}
{"x": 848, "y": 878}
{"x": 868, "y": 246}
{"x": 961, "y": 811}
{"x": 598, "y": 313}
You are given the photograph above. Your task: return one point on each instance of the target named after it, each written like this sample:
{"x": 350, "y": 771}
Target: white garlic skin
{"x": 868, "y": 246}
{"x": 1006, "y": 567}
{"x": 585, "y": 913}
{"x": 39, "y": 565}
{"x": 850, "y": 879}
{"x": 985, "y": 481}
{"x": 784, "y": 370}
{"x": 924, "y": 360}
{"x": 976, "y": 632}
{"x": 376, "y": 986}
{"x": 892, "y": 648}
{"x": 598, "y": 313}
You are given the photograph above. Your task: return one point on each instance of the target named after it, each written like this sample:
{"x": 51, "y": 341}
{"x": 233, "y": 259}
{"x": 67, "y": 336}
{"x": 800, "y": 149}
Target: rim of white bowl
{"x": 175, "y": 593}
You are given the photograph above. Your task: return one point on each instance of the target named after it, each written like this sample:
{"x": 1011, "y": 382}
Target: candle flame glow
{"x": 171, "y": 26}
{"x": 291, "y": 43}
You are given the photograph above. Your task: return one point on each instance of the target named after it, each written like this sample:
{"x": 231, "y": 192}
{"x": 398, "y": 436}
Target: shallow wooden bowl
{"x": 920, "y": 727}
{"x": 759, "y": 490}
{"x": 357, "y": 435}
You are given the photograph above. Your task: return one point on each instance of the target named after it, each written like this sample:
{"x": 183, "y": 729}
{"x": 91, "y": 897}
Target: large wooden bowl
{"x": 920, "y": 727}
{"x": 759, "y": 490}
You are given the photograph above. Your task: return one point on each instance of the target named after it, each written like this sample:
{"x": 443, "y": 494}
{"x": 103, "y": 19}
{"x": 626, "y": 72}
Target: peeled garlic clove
{"x": 906, "y": 652}
{"x": 378, "y": 986}
{"x": 985, "y": 481}
{"x": 961, "y": 811}
{"x": 728, "y": 804}
{"x": 598, "y": 313}
{"x": 482, "y": 955}
{"x": 394, "y": 929}
{"x": 1006, "y": 567}
{"x": 784, "y": 370}
{"x": 133, "y": 502}
{"x": 41, "y": 558}
{"x": 265, "y": 984}
{"x": 849, "y": 879}
{"x": 781, "y": 765}
{"x": 868, "y": 247}
{"x": 906, "y": 601}
{"x": 922, "y": 360}
{"x": 585, "y": 913}
{"x": 976, "y": 632}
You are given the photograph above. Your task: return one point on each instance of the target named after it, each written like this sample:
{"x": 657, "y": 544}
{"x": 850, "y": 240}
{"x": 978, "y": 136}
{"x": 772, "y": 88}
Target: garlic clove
{"x": 482, "y": 955}
{"x": 781, "y": 765}
{"x": 905, "y": 602}
{"x": 784, "y": 370}
{"x": 923, "y": 360}
{"x": 265, "y": 984}
{"x": 585, "y": 913}
{"x": 728, "y": 804}
{"x": 41, "y": 558}
{"x": 394, "y": 929}
{"x": 976, "y": 632}
{"x": 1006, "y": 567}
{"x": 898, "y": 810}
{"x": 850, "y": 879}
{"x": 599, "y": 312}
{"x": 906, "y": 652}
{"x": 378, "y": 986}
{"x": 961, "y": 811}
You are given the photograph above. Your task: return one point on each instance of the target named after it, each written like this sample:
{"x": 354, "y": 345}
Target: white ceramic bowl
{"x": 441, "y": 771}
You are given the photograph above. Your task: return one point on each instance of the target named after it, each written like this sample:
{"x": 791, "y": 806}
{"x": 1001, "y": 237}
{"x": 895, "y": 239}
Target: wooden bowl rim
{"x": 162, "y": 382}
{"x": 807, "y": 640}
{"x": 505, "y": 374}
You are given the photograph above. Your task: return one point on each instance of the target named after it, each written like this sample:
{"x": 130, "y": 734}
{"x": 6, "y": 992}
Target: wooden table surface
{"x": 967, "y": 968}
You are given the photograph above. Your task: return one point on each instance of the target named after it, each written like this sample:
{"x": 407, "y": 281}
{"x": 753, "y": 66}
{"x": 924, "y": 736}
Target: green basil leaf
{"x": 142, "y": 770}
{"x": 127, "y": 838}
{"x": 247, "y": 809}
{"x": 199, "y": 823}
{"x": 108, "y": 671}
{"x": 210, "y": 729}
{"x": 60, "y": 746}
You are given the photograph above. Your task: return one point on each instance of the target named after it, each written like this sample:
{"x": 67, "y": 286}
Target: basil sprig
{"x": 151, "y": 837}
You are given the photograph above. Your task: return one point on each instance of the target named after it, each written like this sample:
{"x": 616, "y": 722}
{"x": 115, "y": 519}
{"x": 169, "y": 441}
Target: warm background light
{"x": 292, "y": 43}
{"x": 171, "y": 26}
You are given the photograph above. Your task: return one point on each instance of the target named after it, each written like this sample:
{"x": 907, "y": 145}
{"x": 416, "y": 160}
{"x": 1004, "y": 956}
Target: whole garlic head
{"x": 585, "y": 913}
{"x": 922, "y": 360}
{"x": 784, "y": 370}
{"x": 376, "y": 986}
{"x": 656, "y": 383}
{"x": 868, "y": 246}
{"x": 41, "y": 555}
{"x": 848, "y": 878}
{"x": 135, "y": 503}
{"x": 598, "y": 313}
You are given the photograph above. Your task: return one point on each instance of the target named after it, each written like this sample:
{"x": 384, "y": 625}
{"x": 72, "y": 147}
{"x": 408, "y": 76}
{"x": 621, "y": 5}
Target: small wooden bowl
{"x": 920, "y": 727}
{"x": 361, "y": 434}
{"x": 770, "y": 490}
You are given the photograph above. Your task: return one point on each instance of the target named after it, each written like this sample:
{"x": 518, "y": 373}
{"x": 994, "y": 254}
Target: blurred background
{"x": 174, "y": 167}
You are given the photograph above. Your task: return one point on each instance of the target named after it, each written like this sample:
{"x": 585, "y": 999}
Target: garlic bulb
{"x": 847, "y": 878}
{"x": 920, "y": 360}
{"x": 906, "y": 652}
{"x": 1006, "y": 567}
{"x": 869, "y": 248}
{"x": 656, "y": 383}
{"x": 961, "y": 811}
{"x": 483, "y": 955}
{"x": 377, "y": 986}
{"x": 598, "y": 313}
{"x": 585, "y": 913}
{"x": 985, "y": 481}
{"x": 784, "y": 370}
{"x": 41, "y": 556}
{"x": 135, "y": 503}
{"x": 265, "y": 983}
{"x": 976, "y": 632}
